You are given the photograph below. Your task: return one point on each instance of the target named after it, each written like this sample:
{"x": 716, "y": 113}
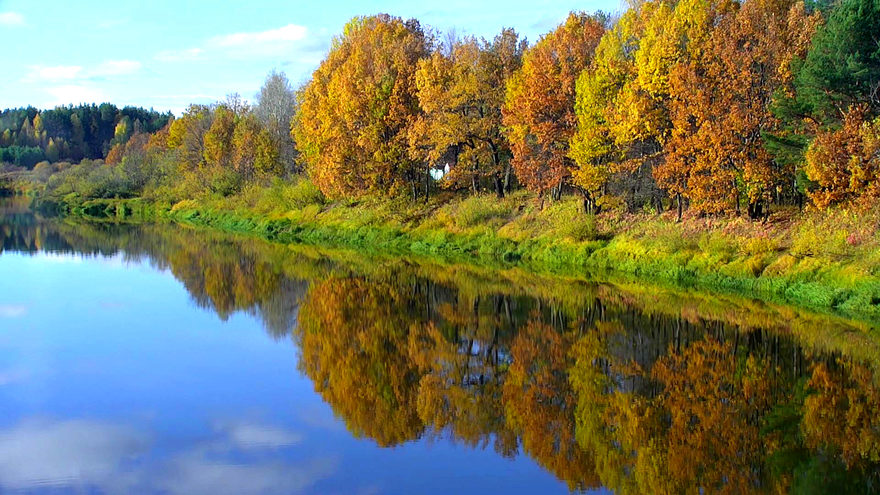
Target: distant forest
{"x": 71, "y": 133}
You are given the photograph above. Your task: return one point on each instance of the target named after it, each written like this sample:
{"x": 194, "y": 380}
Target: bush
{"x": 581, "y": 229}
{"x": 820, "y": 237}
{"x": 476, "y": 210}
{"x": 302, "y": 193}
{"x": 225, "y": 182}
{"x": 761, "y": 244}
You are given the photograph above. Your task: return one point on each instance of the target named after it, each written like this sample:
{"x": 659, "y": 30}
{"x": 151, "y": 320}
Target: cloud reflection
{"x": 239, "y": 458}
{"x": 12, "y": 310}
{"x": 66, "y": 453}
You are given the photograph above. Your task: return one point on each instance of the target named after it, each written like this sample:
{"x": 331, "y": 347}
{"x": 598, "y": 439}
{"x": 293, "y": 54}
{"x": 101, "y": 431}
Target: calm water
{"x": 159, "y": 359}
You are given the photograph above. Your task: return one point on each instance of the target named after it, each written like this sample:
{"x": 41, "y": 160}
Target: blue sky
{"x": 167, "y": 54}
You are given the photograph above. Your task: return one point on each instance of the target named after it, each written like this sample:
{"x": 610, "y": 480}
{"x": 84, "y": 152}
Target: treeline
{"x": 215, "y": 149}
{"x": 71, "y": 133}
{"x": 719, "y": 106}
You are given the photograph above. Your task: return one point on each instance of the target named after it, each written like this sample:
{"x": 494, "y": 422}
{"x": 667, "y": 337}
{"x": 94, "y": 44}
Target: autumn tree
{"x": 461, "y": 94}
{"x": 539, "y": 106}
{"x": 187, "y": 135}
{"x": 355, "y": 114}
{"x": 841, "y": 69}
{"x": 254, "y": 150}
{"x": 745, "y": 58}
{"x": 674, "y": 34}
{"x": 839, "y": 413}
{"x": 352, "y": 335}
{"x": 218, "y": 138}
{"x": 540, "y": 404}
{"x": 844, "y": 164}
{"x": 621, "y": 126}
{"x": 837, "y": 81}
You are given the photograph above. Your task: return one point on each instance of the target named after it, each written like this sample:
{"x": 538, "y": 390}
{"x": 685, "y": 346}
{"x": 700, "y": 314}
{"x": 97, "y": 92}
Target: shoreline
{"x": 804, "y": 284}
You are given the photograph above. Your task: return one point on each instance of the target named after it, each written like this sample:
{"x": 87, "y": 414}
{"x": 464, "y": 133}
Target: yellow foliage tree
{"x": 354, "y": 116}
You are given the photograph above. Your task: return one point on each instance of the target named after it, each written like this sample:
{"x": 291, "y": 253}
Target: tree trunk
{"x": 589, "y": 204}
{"x": 415, "y": 189}
{"x": 756, "y": 209}
{"x": 678, "y": 196}
{"x": 427, "y": 182}
{"x": 499, "y": 186}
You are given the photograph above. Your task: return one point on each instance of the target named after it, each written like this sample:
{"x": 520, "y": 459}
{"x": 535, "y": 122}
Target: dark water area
{"x": 162, "y": 359}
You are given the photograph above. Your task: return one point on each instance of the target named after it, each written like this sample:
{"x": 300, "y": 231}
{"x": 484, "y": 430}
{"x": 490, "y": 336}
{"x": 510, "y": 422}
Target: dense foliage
{"x": 71, "y": 133}
{"x": 717, "y": 106}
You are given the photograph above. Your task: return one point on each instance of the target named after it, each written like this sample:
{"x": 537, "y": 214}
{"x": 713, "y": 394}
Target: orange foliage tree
{"x": 844, "y": 163}
{"x": 840, "y": 412}
{"x": 540, "y": 403}
{"x": 539, "y": 109}
{"x": 352, "y": 337}
{"x": 720, "y": 104}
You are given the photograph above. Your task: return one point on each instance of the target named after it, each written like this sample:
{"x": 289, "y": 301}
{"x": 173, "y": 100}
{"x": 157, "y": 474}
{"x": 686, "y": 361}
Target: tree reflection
{"x": 352, "y": 338}
{"x": 597, "y": 396}
{"x": 636, "y": 390}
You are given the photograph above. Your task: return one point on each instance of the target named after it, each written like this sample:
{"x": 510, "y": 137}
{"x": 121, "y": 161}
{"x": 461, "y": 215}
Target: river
{"x": 164, "y": 359}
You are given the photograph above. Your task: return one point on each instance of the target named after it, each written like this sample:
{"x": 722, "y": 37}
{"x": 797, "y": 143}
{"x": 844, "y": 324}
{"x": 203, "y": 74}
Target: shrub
{"x": 477, "y": 210}
{"x": 302, "y": 193}
{"x": 761, "y": 244}
{"x": 581, "y": 229}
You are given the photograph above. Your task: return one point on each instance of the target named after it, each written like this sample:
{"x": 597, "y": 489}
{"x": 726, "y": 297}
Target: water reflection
{"x": 622, "y": 386}
{"x": 105, "y": 456}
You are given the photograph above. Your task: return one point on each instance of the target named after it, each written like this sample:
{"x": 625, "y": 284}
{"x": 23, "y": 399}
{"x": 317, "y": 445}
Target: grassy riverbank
{"x": 827, "y": 262}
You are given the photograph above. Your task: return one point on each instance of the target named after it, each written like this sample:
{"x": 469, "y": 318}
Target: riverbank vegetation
{"x": 711, "y": 142}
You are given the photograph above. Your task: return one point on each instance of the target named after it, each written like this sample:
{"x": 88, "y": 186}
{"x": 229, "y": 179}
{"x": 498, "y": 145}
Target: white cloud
{"x": 12, "y": 310}
{"x": 103, "y": 457}
{"x": 11, "y": 19}
{"x": 74, "y": 84}
{"x": 196, "y": 474}
{"x": 55, "y": 73}
{"x": 62, "y": 453}
{"x": 286, "y": 34}
{"x": 257, "y": 436}
{"x": 272, "y": 42}
{"x": 75, "y": 94}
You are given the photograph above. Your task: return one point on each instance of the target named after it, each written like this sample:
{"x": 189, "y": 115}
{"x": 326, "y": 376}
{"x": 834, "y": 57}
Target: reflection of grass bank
{"x": 191, "y": 256}
{"x": 828, "y": 262}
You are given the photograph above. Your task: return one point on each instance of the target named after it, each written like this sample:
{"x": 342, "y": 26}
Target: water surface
{"x": 160, "y": 359}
